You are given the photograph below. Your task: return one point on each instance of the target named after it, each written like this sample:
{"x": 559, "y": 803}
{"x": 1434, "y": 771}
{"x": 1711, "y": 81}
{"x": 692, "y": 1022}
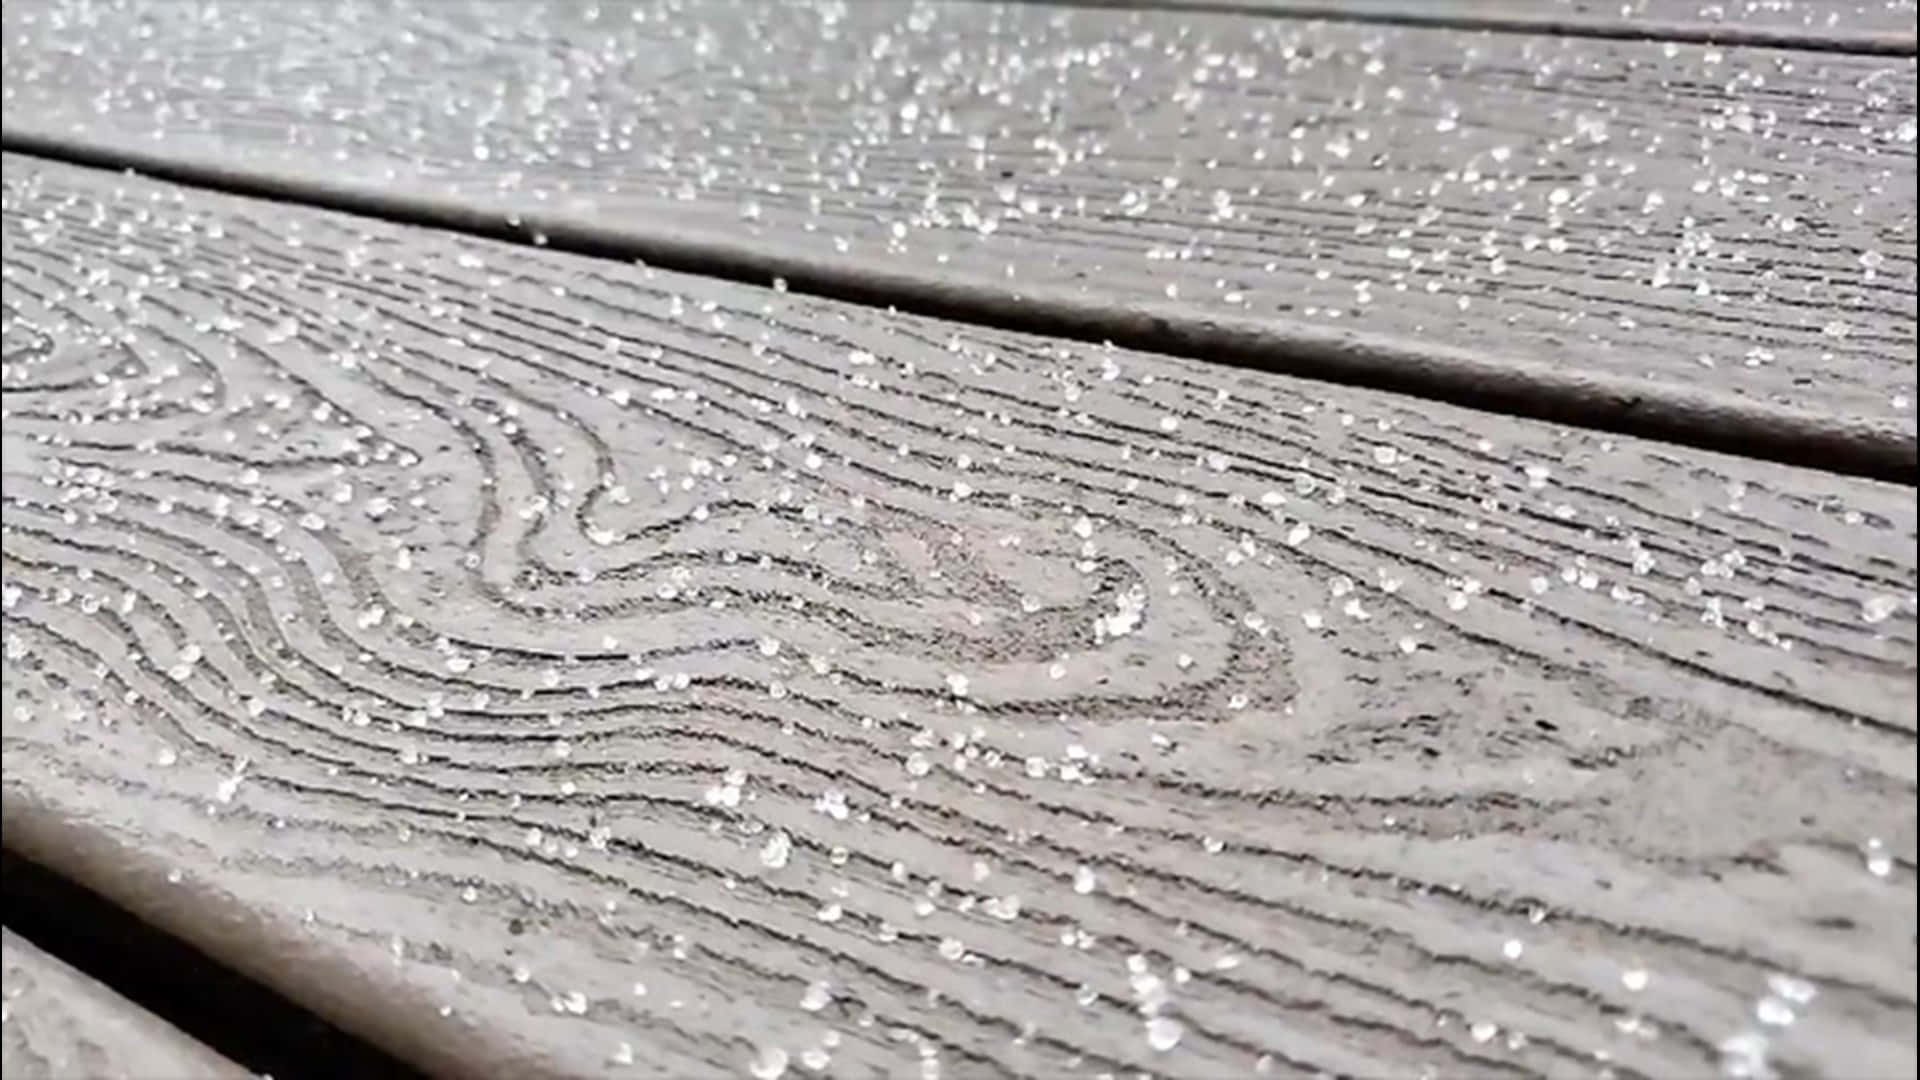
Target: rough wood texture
{"x": 660, "y": 676}
{"x": 1842, "y": 25}
{"x": 1738, "y": 220}
{"x": 58, "y": 1024}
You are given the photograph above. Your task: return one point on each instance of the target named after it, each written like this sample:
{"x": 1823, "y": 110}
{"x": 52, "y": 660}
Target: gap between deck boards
{"x": 1516, "y": 387}
{"x": 1572, "y": 24}
{"x": 231, "y": 1014}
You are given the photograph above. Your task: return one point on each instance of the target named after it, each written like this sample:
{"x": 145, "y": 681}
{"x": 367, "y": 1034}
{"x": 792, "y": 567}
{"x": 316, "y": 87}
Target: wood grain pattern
{"x": 1736, "y": 220}
{"x": 58, "y": 1024}
{"x": 662, "y": 676}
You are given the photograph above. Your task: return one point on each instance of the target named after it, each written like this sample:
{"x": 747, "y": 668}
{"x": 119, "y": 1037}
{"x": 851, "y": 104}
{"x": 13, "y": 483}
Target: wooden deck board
{"x": 544, "y": 665}
{"x": 1731, "y": 221}
{"x": 1842, "y": 25}
{"x": 60, "y": 1024}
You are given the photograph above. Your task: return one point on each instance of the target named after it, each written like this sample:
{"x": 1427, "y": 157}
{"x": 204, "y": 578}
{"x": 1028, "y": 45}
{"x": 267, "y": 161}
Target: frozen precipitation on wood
{"x": 545, "y": 665}
{"x": 1857, "y": 26}
{"x": 1735, "y": 222}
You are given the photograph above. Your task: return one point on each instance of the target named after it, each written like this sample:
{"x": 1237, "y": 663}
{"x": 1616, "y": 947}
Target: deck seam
{"x": 1869, "y": 43}
{"x": 82, "y": 921}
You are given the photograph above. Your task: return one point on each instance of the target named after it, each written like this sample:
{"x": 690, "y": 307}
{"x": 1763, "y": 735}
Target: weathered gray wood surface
{"x": 59, "y": 1024}
{"x": 633, "y": 667}
{"x": 1844, "y": 25}
{"x": 1731, "y": 220}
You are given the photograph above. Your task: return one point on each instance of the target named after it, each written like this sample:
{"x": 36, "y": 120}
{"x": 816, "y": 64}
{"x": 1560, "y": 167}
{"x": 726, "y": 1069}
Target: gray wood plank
{"x": 544, "y": 665}
{"x": 59, "y": 1024}
{"x": 1736, "y": 223}
{"x": 1879, "y": 26}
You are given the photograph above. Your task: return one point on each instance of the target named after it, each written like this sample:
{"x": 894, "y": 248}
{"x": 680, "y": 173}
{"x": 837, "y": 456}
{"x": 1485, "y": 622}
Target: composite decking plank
{"x": 1879, "y": 26}
{"x": 1731, "y": 222}
{"x": 60, "y": 1024}
{"x": 539, "y": 664}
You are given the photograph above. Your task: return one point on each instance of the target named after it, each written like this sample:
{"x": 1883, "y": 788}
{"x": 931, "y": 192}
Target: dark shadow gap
{"x": 1536, "y": 390}
{"x": 1424, "y": 15}
{"x": 252, "y": 1025}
